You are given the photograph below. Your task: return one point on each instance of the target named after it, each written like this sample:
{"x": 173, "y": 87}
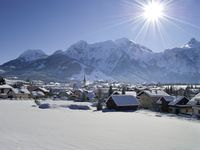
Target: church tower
{"x": 84, "y": 81}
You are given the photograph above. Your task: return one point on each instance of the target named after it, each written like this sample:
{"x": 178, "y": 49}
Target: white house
{"x": 195, "y": 102}
{"x": 21, "y": 93}
{"x": 6, "y": 91}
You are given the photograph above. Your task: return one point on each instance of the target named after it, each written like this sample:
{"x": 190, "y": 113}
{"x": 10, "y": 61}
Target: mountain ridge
{"x": 121, "y": 60}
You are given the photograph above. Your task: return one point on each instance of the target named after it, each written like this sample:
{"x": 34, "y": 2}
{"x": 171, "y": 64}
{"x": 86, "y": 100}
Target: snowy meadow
{"x": 24, "y": 126}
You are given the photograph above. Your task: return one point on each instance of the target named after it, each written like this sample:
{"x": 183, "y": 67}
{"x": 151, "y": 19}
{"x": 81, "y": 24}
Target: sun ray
{"x": 173, "y": 23}
{"x": 146, "y": 24}
{"x": 182, "y": 21}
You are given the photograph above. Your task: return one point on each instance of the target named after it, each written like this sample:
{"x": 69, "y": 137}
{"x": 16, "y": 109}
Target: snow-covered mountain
{"x": 121, "y": 59}
{"x": 106, "y": 55}
{"x": 57, "y": 67}
{"x": 114, "y": 58}
{"x": 31, "y": 55}
{"x": 193, "y": 43}
{"x": 181, "y": 64}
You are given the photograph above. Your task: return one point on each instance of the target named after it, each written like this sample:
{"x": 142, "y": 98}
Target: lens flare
{"x": 153, "y": 11}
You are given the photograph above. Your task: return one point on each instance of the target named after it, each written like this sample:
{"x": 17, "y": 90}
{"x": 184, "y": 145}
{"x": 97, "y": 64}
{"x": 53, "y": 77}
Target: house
{"x": 82, "y": 95}
{"x": 180, "y": 106}
{"x": 78, "y": 93}
{"x": 21, "y": 93}
{"x": 196, "y": 110}
{"x": 195, "y": 102}
{"x": 6, "y": 91}
{"x": 90, "y": 95}
{"x": 38, "y": 92}
{"x": 148, "y": 98}
{"x": 101, "y": 92}
{"x": 122, "y": 102}
{"x": 163, "y": 103}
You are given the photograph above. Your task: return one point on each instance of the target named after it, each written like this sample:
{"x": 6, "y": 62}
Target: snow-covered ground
{"x": 25, "y": 127}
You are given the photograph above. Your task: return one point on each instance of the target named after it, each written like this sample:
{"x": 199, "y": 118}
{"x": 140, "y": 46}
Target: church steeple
{"x": 84, "y": 81}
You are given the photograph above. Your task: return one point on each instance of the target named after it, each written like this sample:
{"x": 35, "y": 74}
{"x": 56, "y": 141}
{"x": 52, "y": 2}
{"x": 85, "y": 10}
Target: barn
{"x": 122, "y": 102}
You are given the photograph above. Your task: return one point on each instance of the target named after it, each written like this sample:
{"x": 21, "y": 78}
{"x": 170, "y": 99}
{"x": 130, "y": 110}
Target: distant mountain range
{"x": 120, "y": 60}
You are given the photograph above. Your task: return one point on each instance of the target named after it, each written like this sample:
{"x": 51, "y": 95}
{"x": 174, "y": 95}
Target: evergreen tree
{"x": 123, "y": 90}
{"x": 99, "y": 94}
{"x": 2, "y": 81}
{"x": 110, "y": 91}
{"x": 187, "y": 92}
{"x": 84, "y": 97}
{"x": 171, "y": 90}
{"x": 99, "y": 105}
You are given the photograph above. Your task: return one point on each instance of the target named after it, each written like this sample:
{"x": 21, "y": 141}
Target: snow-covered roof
{"x": 25, "y": 90}
{"x": 176, "y": 100}
{"x": 125, "y": 100}
{"x": 21, "y": 90}
{"x": 38, "y": 93}
{"x": 156, "y": 93}
{"x": 43, "y": 89}
{"x": 16, "y": 90}
{"x": 5, "y": 86}
{"x": 91, "y": 95}
{"x": 167, "y": 98}
{"x": 133, "y": 93}
{"x": 194, "y": 100}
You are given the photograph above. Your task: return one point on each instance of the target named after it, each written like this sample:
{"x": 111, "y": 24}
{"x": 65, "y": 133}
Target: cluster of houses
{"x": 22, "y": 92}
{"x": 133, "y": 98}
{"x": 163, "y": 102}
{"x": 156, "y": 100}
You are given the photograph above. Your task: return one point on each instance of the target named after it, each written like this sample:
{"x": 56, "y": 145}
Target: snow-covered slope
{"x": 181, "y": 64}
{"x": 114, "y": 58}
{"x": 106, "y": 55}
{"x": 24, "y": 127}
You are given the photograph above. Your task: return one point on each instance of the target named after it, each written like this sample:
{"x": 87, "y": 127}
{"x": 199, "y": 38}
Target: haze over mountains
{"x": 120, "y": 60}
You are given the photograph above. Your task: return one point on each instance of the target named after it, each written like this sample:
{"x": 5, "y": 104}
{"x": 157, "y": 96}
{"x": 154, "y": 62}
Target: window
{"x": 2, "y": 90}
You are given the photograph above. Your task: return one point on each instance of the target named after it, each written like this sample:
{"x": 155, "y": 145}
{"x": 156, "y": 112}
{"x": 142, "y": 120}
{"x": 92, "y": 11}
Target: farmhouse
{"x": 122, "y": 102}
{"x": 6, "y": 91}
{"x": 195, "y": 102}
{"x": 21, "y": 93}
{"x": 38, "y": 92}
{"x": 148, "y": 98}
{"x": 163, "y": 103}
{"x": 180, "y": 106}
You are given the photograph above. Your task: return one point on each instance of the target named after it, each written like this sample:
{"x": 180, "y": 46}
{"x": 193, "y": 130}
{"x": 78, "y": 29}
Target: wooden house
{"x": 195, "y": 102}
{"x": 148, "y": 98}
{"x": 122, "y": 102}
{"x": 6, "y": 91}
{"x": 196, "y": 110}
{"x": 163, "y": 103}
{"x": 180, "y": 106}
{"x": 21, "y": 93}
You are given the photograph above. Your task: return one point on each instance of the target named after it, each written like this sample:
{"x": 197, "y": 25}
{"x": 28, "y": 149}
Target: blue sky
{"x": 56, "y": 24}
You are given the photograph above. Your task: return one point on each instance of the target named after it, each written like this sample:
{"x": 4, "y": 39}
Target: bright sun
{"x": 153, "y": 11}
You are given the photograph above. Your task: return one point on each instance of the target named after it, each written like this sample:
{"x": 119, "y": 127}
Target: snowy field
{"x": 24, "y": 127}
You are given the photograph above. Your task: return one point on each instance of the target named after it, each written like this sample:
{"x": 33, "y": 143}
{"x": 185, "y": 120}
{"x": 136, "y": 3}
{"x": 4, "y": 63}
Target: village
{"x": 181, "y": 100}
